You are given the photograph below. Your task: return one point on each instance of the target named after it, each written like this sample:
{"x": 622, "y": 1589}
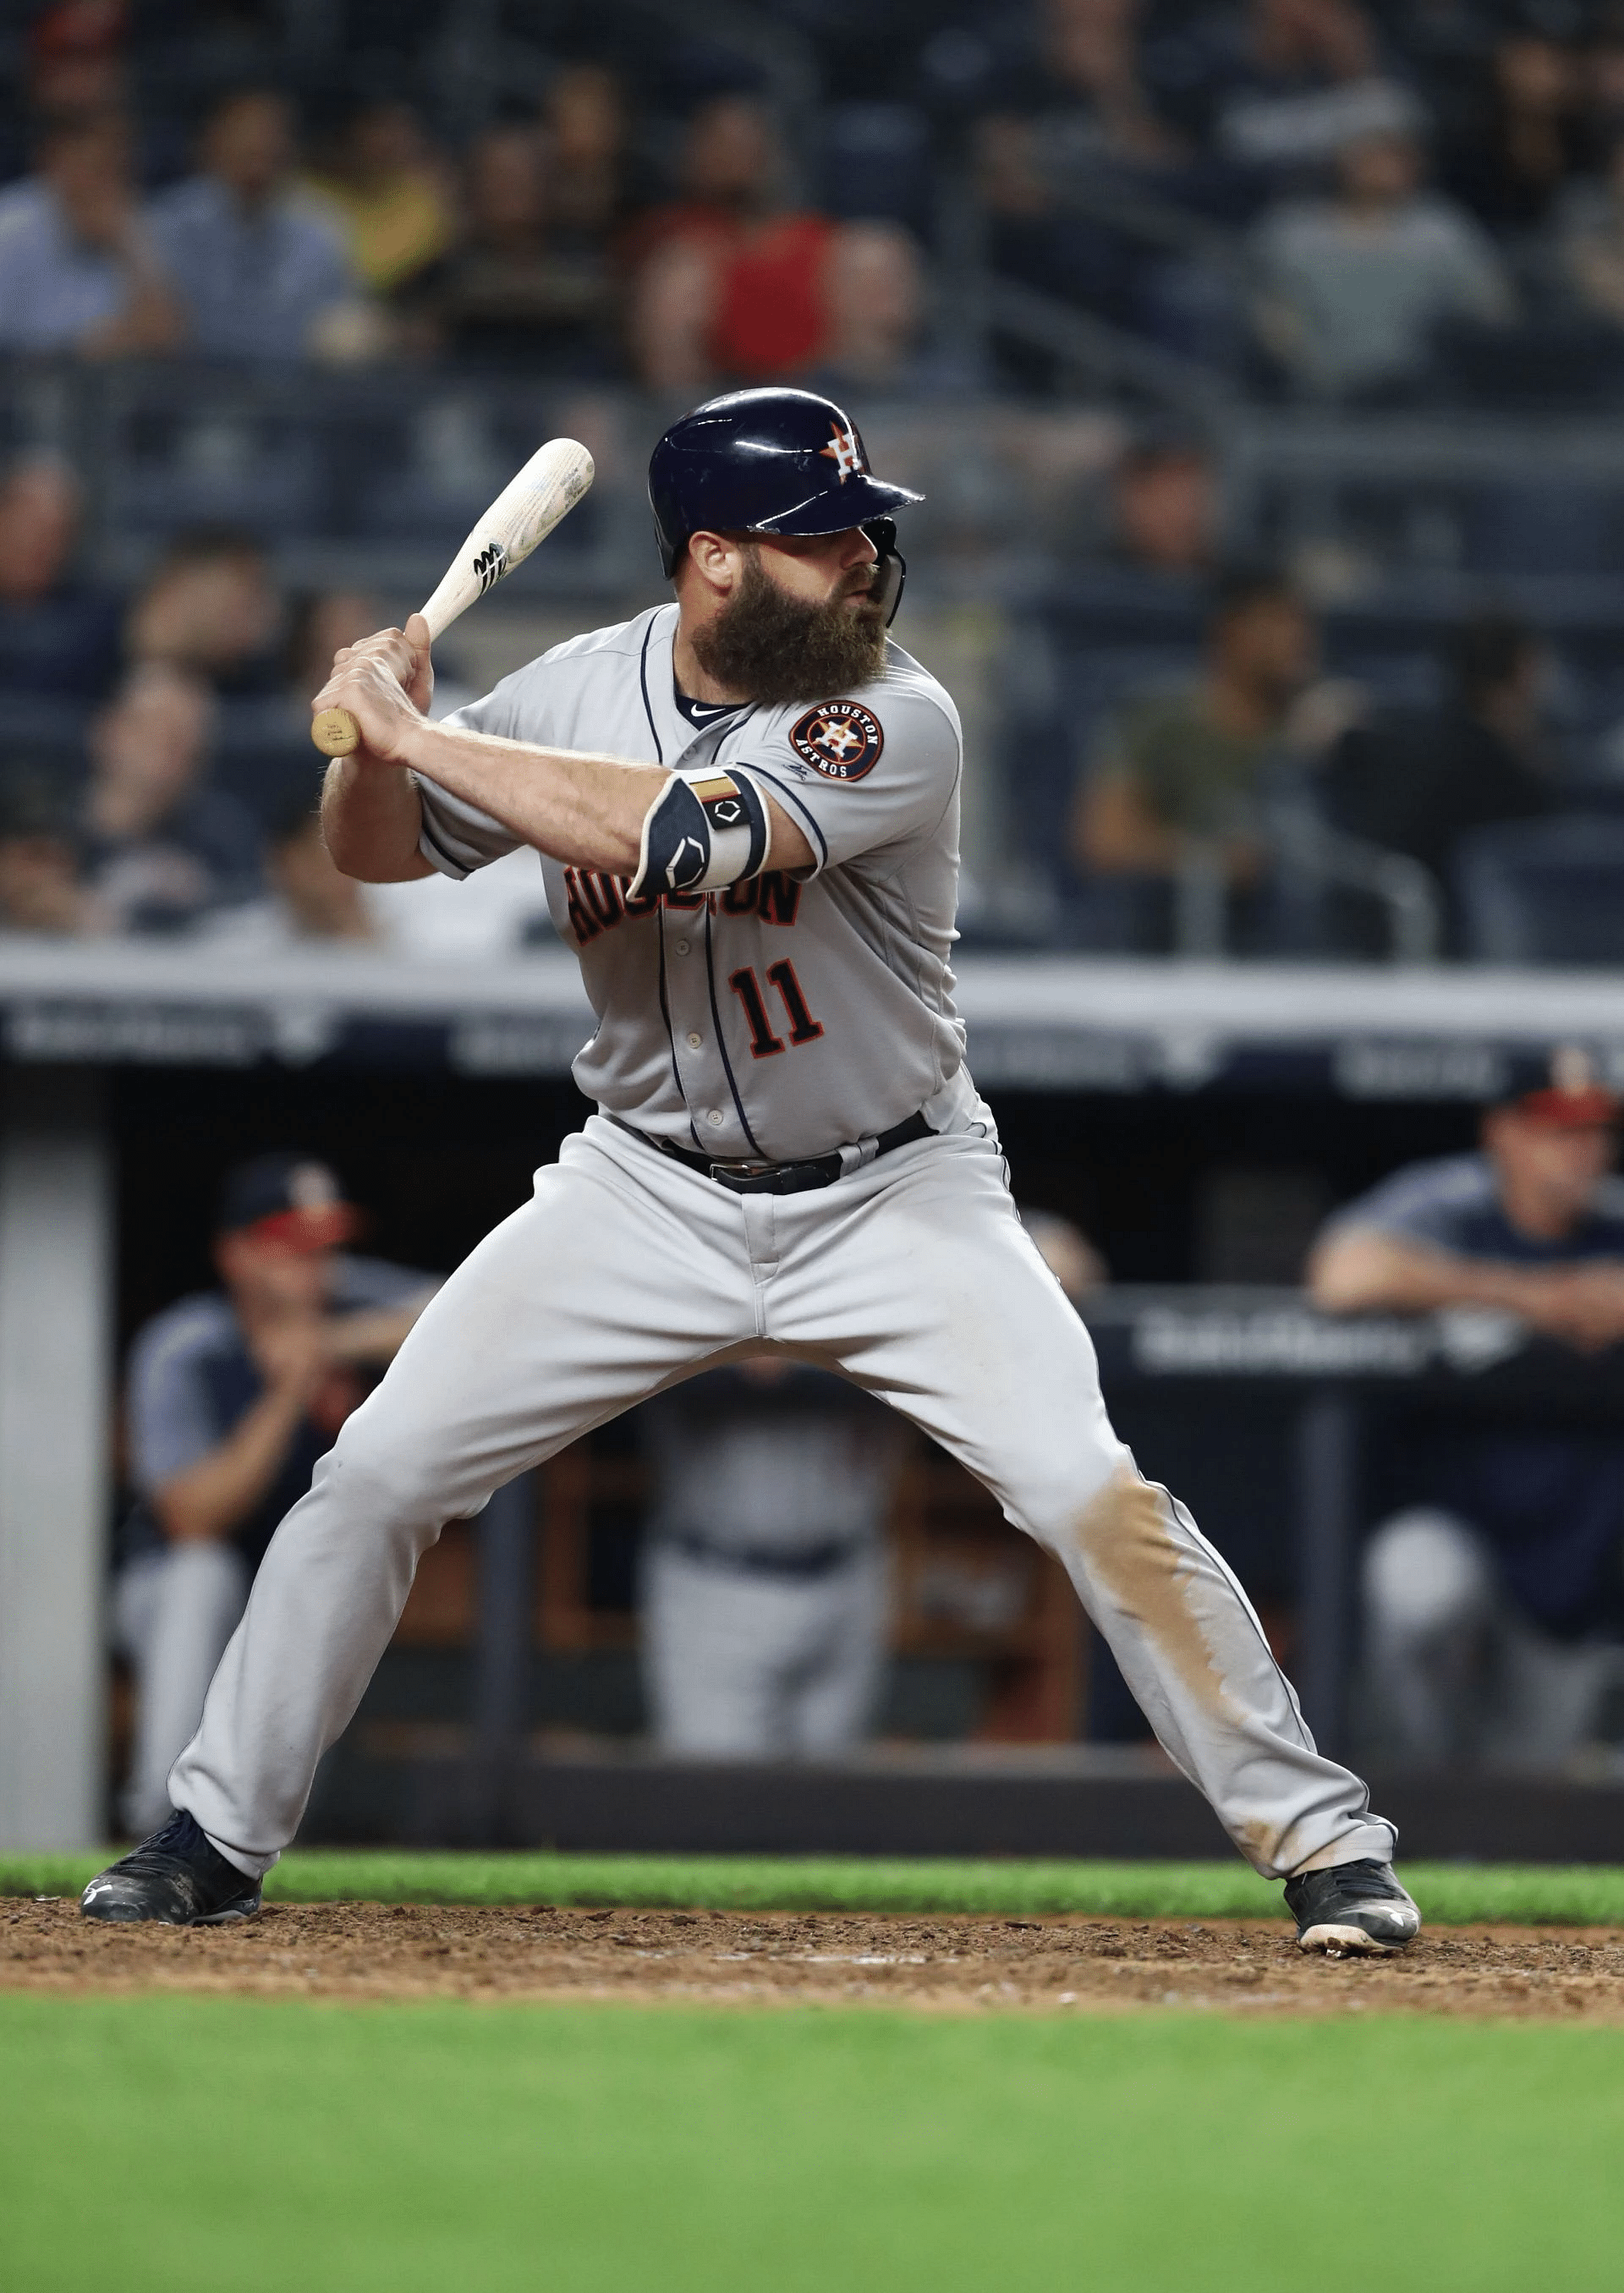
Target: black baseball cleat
{"x": 1352, "y": 1907}
{"x": 175, "y": 1877}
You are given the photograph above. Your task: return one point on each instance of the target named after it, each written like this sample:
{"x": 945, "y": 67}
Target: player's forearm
{"x": 585, "y": 810}
{"x": 376, "y": 1335}
{"x": 372, "y": 819}
{"x": 1369, "y": 1272}
{"x": 216, "y": 1494}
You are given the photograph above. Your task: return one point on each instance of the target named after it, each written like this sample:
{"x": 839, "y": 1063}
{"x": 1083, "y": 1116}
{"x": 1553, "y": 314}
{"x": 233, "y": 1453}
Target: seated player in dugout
{"x": 751, "y": 796}
{"x": 233, "y": 1396}
{"x": 1493, "y": 1594}
{"x": 762, "y": 1592}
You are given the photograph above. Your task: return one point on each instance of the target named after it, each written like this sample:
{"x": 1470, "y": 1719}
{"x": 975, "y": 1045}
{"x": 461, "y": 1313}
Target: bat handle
{"x": 335, "y": 730}
{"x": 335, "y": 733}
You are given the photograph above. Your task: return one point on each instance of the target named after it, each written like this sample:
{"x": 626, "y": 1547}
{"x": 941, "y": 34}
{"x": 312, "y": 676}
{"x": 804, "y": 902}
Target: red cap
{"x": 1575, "y": 1098}
{"x": 79, "y": 28}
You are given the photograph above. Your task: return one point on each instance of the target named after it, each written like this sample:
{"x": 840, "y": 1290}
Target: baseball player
{"x": 746, "y": 804}
{"x": 764, "y": 1572}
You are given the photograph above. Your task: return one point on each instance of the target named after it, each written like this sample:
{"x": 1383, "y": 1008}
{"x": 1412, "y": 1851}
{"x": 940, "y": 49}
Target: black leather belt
{"x": 779, "y": 1177}
{"x": 799, "y": 1566}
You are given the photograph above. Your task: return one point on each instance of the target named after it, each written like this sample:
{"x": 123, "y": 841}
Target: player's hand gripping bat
{"x": 523, "y": 514}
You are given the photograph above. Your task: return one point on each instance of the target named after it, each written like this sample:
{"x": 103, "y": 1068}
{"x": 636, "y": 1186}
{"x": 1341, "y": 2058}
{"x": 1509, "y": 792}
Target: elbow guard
{"x": 705, "y": 829}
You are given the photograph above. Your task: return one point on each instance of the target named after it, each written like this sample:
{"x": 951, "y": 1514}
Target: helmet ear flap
{"x": 892, "y": 571}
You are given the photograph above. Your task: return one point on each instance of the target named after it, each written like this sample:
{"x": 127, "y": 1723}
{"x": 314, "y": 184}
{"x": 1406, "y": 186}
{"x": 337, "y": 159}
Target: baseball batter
{"x": 746, "y": 805}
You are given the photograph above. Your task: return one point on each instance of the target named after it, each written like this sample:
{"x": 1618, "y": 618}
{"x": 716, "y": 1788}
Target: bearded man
{"x": 747, "y": 806}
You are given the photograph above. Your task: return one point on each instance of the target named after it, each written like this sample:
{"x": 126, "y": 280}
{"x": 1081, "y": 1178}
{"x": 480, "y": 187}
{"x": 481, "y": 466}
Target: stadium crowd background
{"x": 1262, "y": 364}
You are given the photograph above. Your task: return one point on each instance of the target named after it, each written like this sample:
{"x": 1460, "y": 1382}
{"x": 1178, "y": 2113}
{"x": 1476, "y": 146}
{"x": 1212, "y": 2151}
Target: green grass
{"x": 1449, "y": 1893}
{"x": 251, "y": 2147}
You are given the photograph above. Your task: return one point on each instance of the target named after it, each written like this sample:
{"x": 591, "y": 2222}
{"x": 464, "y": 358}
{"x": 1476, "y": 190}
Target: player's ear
{"x": 716, "y": 559}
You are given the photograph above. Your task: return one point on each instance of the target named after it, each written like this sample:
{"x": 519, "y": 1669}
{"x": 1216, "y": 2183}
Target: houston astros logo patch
{"x": 840, "y": 739}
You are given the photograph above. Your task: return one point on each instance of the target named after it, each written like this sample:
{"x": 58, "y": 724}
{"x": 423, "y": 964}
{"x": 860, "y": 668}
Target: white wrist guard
{"x": 705, "y": 829}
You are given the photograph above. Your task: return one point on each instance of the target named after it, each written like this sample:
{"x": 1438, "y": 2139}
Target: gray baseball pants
{"x": 174, "y": 1612}
{"x": 740, "y": 1666}
{"x": 626, "y": 1272}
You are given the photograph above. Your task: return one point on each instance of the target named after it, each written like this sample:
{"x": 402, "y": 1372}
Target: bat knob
{"x": 335, "y": 733}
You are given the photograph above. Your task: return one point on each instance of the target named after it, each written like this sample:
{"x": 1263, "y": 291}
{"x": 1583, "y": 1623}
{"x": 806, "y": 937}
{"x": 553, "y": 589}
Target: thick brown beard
{"x": 776, "y": 650}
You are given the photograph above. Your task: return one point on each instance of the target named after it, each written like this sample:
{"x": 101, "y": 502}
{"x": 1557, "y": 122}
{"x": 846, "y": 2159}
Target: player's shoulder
{"x": 1607, "y": 1202}
{"x": 618, "y": 641}
{"x": 1423, "y": 1195}
{"x": 906, "y": 686}
{"x": 578, "y": 661}
{"x": 187, "y": 1331}
{"x": 24, "y": 207}
{"x": 903, "y": 719}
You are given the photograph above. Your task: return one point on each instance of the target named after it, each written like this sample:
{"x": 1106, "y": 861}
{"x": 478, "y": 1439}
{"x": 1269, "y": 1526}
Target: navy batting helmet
{"x": 768, "y": 461}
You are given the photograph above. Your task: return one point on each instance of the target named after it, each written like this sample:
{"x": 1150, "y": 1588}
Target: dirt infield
{"x": 381, "y": 1951}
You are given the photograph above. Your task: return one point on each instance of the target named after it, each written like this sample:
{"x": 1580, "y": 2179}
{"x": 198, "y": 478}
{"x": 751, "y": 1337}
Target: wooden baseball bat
{"x": 523, "y": 514}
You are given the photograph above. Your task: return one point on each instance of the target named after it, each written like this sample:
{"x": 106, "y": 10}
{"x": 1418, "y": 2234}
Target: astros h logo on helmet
{"x": 844, "y": 452}
{"x": 840, "y": 739}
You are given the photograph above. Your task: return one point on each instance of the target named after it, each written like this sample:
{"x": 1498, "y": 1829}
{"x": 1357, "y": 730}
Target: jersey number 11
{"x": 803, "y": 1027}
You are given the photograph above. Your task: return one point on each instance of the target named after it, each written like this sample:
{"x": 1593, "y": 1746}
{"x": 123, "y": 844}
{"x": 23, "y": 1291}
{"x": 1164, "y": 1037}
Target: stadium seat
{"x": 1521, "y": 530}
{"x": 1544, "y": 892}
{"x": 873, "y": 162}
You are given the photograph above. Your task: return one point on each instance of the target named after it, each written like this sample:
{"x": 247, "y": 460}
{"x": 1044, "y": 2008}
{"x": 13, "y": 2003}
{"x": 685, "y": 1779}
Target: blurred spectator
{"x": 1183, "y": 770}
{"x": 40, "y": 884}
{"x": 1353, "y": 290}
{"x": 79, "y": 267}
{"x": 59, "y": 638}
{"x": 1081, "y": 102}
{"x": 730, "y": 174}
{"x": 1494, "y": 1600}
{"x": 212, "y": 609}
{"x": 1068, "y": 1252}
{"x": 1443, "y": 47}
{"x": 874, "y": 292}
{"x": 586, "y": 135}
{"x": 1590, "y": 239}
{"x": 1600, "y": 75}
{"x": 161, "y": 847}
{"x": 76, "y": 65}
{"x": 1276, "y": 88}
{"x": 307, "y": 900}
{"x": 320, "y": 624}
{"x": 1527, "y": 139}
{"x": 1077, "y": 119}
{"x": 511, "y": 292}
{"x": 233, "y": 1396}
{"x": 1417, "y": 781}
{"x": 726, "y": 282}
{"x": 260, "y": 267}
{"x": 1164, "y": 511}
{"x": 391, "y": 194}
{"x": 763, "y": 1595}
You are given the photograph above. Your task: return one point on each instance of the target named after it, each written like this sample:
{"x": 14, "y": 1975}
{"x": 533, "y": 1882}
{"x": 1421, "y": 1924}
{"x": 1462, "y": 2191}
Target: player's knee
{"x": 1062, "y": 1501}
{"x": 1424, "y": 1573}
{"x": 392, "y": 1486}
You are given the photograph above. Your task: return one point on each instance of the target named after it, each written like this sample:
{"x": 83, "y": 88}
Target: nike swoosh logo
{"x": 100, "y": 1887}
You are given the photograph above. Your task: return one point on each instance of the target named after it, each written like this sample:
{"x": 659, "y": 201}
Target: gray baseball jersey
{"x": 782, "y": 1017}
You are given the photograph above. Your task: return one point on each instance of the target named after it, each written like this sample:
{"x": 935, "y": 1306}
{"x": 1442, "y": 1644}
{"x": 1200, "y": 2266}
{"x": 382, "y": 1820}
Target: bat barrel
{"x": 523, "y": 514}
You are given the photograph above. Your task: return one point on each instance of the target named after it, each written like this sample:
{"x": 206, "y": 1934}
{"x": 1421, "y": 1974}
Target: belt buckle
{"x": 722, "y": 1172}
